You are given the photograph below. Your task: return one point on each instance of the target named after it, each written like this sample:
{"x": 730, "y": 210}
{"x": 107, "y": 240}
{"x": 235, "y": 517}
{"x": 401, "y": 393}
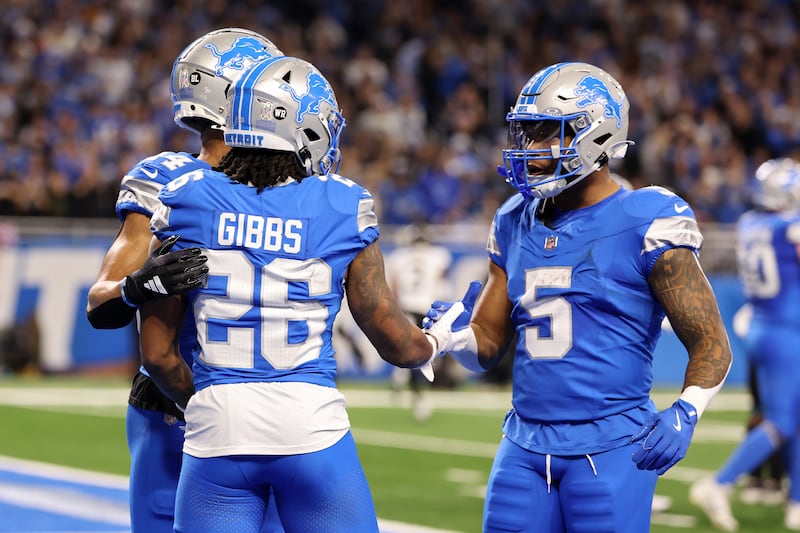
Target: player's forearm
{"x": 490, "y": 347}
{"x": 706, "y": 373}
{"x": 106, "y": 308}
{"x": 684, "y": 292}
{"x": 397, "y": 340}
{"x": 158, "y": 345}
{"x": 173, "y": 377}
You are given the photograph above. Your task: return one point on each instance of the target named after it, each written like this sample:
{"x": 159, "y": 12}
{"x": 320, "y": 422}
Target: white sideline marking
{"x": 420, "y": 443}
{"x": 674, "y": 520}
{"x": 63, "y": 473}
{"x": 65, "y": 502}
{"x": 63, "y": 396}
{"x": 390, "y": 526}
{"x": 72, "y": 503}
{"x": 33, "y": 395}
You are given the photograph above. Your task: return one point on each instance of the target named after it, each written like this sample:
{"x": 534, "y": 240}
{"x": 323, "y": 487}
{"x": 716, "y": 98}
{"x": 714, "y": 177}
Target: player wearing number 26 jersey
{"x": 292, "y": 246}
{"x": 285, "y": 239}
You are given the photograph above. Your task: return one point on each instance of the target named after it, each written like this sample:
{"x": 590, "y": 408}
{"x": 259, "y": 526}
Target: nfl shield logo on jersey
{"x": 551, "y": 242}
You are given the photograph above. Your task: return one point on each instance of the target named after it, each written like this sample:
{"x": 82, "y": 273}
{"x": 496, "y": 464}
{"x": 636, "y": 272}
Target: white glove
{"x": 448, "y": 324}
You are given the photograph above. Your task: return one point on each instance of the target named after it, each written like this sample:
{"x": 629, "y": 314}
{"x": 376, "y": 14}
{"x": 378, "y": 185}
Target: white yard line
{"x": 63, "y": 473}
{"x": 65, "y": 502}
{"x": 32, "y": 395}
{"x": 484, "y": 402}
{"x": 77, "y": 505}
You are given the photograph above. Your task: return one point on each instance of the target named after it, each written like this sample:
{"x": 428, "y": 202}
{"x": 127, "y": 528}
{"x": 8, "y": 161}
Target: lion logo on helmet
{"x": 317, "y": 90}
{"x": 591, "y": 90}
{"x": 243, "y": 52}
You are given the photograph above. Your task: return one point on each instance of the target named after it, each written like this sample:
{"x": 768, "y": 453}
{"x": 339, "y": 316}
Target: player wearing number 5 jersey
{"x": 286, "y": 238}
{"x": 769, "y": 268}
{"x": 582, "y": 272}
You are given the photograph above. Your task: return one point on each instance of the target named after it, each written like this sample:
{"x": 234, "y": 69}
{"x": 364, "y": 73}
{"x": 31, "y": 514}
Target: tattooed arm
{"x": 679, "y": 284}
{"x": 378, "y": 314}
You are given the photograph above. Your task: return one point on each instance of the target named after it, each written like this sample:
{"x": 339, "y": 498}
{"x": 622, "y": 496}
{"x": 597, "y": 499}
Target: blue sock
{"x": 750, "y": 453}
{"x": 794, "y": 469}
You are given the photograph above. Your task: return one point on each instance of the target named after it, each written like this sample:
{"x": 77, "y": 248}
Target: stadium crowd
{"x": 424, "y": 86}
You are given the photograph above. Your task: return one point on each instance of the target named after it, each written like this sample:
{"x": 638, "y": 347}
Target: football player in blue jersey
{"x": 128, "y": 277}
{"x": 768, "y": 254}
{"x": 582, "y": 271}
{"x": 286, "y": 239}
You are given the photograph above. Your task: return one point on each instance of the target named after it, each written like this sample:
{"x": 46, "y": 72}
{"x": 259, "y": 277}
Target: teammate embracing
{"x": 128, "y": 277}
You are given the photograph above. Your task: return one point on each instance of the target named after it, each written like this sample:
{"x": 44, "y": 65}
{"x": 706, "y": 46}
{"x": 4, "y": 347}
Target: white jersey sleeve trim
{"x": 366, "y": 214}
{"x": 672, "y": 232}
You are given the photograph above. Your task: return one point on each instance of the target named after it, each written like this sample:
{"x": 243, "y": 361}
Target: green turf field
{"x": 430, "y": 473}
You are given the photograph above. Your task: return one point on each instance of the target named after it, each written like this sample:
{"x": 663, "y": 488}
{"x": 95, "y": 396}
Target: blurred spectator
{"x": 715, "y": 87}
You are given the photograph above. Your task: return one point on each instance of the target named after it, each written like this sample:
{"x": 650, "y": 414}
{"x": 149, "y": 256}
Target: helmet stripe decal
{"x": 244, "y": 93}
{"x": 535, "y": 84}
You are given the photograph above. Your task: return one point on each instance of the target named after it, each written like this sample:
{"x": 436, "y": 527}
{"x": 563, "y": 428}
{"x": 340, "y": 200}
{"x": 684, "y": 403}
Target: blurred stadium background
{"x": 424, "y": 86}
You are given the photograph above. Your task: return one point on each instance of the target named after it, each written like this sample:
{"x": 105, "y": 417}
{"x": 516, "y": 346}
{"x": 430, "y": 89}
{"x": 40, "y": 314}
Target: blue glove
{"x": 665, "y": 437}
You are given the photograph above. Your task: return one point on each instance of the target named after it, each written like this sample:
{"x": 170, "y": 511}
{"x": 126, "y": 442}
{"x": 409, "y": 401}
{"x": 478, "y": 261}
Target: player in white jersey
{"x": 768, "y": 256}
{"x": 583, "y": 271}
{"x": 286, "y": 239}
{"x": 128, "y": 277}
{"x": 416, "y": 271}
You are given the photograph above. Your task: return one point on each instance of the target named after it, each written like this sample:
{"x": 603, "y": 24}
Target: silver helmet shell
{"x": 207, "y": 67}
{"x": 285, "y": 103}
{"x": 776, "y": 186}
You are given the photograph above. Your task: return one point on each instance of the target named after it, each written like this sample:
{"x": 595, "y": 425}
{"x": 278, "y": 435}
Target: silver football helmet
{"x": 575, "y": 100}
{"x": 777, "y": 185}
{"x": 285, "y": 103}
{"x": 203, "y": 71}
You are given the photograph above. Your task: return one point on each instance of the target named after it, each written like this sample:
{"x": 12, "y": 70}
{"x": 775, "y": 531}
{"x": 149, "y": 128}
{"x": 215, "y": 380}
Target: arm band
{"x": 468, "y": 356}
{"x": 123, "y": 295}
{"x": 700, "y": 397}
{"x": 112, "y": 314}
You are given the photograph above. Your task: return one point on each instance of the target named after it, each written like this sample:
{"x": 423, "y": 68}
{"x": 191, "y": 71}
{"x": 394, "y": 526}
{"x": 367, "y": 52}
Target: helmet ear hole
{"x": 601, "y": 140}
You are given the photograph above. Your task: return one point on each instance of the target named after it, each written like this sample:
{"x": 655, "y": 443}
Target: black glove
{"x": 165, "y": 273}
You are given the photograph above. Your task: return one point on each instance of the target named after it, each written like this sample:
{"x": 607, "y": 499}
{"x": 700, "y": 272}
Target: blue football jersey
{"x": 277, "y": 261}
{"x": 585, "y": 318}
{"x": 138, "y": 192}
{"x": 767, "y": 256}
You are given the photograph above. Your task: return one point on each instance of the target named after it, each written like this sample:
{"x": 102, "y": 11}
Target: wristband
{"x": 468, "y": 355}
{"x": 434, "y": 345}
{"x": 124, "y": 296}
{"x": 699, "y": 398}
